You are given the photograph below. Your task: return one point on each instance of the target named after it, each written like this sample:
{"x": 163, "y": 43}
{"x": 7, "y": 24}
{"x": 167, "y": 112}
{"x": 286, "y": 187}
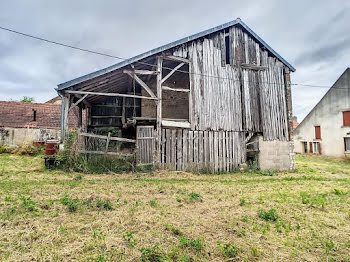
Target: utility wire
{"x": 144, "y": 63}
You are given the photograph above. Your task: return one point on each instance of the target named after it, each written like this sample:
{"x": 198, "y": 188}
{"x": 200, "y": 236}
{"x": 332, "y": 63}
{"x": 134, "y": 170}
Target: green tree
{"x": 27, "y": 99}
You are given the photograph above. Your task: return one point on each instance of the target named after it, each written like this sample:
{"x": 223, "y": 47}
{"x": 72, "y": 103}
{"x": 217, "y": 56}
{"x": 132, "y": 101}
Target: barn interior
{"x": 122, "y": 99}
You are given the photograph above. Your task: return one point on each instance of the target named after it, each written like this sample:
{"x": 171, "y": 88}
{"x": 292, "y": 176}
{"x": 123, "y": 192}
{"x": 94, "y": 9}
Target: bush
{"x": 5, "y": 149}
{"x": 268, "y": 215}
{"x": 69, "y": 159}
{"x": 29, "y": 149}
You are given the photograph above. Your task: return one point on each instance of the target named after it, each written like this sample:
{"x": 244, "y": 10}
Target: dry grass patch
{"x": 174, "y": 216}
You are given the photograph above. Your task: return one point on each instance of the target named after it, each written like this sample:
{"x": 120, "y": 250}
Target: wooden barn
{"x": 211, "y": 101}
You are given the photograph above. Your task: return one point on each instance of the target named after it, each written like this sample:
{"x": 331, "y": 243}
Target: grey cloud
{"x": 299, "y": 30}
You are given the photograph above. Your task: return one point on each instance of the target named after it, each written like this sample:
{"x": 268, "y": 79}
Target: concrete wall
{"x": 328, "y": 115}
{"x": 17, "y": 136}
{"x": 277, "y": 155}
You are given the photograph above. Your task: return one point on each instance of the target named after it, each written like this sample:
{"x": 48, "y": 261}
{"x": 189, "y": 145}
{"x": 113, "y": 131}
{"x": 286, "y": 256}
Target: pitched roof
{"x": 346, "y": 73}
{"x": 171, "y": 45}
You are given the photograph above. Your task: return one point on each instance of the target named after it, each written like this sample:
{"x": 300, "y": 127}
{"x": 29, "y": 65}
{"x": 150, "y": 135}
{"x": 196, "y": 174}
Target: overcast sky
{"x": 314, "y": 36}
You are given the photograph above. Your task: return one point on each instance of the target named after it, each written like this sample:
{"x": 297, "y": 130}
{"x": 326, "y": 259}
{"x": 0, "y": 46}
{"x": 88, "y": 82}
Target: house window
{"x": 227, "y": 46}
{"x": 34, "y": 115}
{"x": 346, "y": 118}
{"x": 305, "y": 147}
{"x": 317, "y": 132}
{"x": 316, "y": 147}
{"x": 347, "y": 144}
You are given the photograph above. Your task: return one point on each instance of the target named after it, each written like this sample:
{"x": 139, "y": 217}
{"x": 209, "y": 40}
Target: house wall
{"x": 328, "y": 115}
{"x": 12, "y": 136}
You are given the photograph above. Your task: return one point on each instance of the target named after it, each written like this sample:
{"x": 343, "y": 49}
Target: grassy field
{"x": 175, "y": 216}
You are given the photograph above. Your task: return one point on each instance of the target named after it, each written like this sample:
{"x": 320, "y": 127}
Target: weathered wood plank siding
{"x": 247, "y": 94}
{"x": 214, "y": 151}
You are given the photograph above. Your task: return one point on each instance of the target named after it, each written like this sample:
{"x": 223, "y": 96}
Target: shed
{"x": 210, "y": 101}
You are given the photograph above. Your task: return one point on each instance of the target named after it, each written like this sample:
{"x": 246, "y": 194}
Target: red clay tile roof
{"x": 18, "y": 114}
{"x": 55, "y": 100}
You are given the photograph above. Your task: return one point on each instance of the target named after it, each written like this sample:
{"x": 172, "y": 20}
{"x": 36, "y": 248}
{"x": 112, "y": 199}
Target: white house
{"x": 326, "y": 129}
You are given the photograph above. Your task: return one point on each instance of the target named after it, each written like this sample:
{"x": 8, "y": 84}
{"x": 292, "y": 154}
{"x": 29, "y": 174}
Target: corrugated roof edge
{"x": 171, "y": 45}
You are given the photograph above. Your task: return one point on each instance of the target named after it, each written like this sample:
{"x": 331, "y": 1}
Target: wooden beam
{"x": 106, "y": 116}
{"x": 143, "y": 84}
{"x": 98, "y": 152}
{"x": 76, "y": 103}
{"x": 108, "y": 94}
{"x": 141, "y": 72}
{"x": 168, "y": 123}
{"x": 121, "y": 139}
{"x": 253, "y": 67}
{"x": 176, "y": 58}
{"x": 175, "y": 89}
{"x": 172, "y": 72}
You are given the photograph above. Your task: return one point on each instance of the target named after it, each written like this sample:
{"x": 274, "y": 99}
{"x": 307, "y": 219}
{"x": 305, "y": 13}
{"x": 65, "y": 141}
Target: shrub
{"x": 29, "y": 149}
{"x": 268, "y": 215}
{"x": 228, "y": 250}
{"x": 152, "y": 254}
{"x": 5, "y": 149}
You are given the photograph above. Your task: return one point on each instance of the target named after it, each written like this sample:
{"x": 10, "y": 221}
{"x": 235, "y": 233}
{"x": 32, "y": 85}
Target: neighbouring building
{"x": 295, "y": 122}
{"x": 27, "y": 122}
{"x": 209, "y": 101}
{"x": 326, "y": 129}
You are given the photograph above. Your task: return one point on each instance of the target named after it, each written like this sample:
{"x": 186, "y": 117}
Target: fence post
{"x": 107, "y": 142}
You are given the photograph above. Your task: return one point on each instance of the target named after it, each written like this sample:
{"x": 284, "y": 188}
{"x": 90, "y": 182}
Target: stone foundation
{"x": 277, "y": 155}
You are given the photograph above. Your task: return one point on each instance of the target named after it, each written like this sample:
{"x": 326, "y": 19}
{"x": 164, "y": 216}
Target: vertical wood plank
{"x": 173, "y": 149}
{"x": 179, "y": 150}
{"x": 185, "y": 149}
{"x": 190, "y": 149}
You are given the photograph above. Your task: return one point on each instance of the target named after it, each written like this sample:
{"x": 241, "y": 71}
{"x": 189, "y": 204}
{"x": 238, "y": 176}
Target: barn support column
{"x": 64, "y": 124}
{"x": 159, "y": 109}
{"x": 289, "y": 102}
{"x": 290, "y": 116}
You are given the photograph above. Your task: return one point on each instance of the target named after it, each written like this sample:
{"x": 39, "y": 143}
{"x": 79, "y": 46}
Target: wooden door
{"x": 145, "y": 143}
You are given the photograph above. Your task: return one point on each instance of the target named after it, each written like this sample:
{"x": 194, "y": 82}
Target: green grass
{"x": 53, "y": 215}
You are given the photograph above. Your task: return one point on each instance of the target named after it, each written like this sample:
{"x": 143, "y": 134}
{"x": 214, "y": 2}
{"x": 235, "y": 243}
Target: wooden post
{"x": 66, "y": 116}
{"x": 159, "y": 108}
{"x": 123, "y": 112}
{"x": 107, "y": 142}
{"x": 80, "y": 117}
{"x": 289, "y": 102}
